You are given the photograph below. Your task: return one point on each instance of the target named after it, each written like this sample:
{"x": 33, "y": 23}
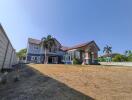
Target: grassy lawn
{"x": 70, "y": 82}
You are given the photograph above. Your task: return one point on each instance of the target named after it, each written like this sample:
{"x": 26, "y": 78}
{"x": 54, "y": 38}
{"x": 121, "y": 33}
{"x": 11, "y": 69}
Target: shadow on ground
{"x": 33, "y": 85}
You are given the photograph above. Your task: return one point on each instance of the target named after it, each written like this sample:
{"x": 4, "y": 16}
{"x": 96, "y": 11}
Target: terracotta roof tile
{"x": 64, "y": 48}
{"x": 79, "y": 45}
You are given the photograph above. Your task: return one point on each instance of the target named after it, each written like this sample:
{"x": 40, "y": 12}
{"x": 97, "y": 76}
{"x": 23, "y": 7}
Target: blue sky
{"x": 70, "y": 21}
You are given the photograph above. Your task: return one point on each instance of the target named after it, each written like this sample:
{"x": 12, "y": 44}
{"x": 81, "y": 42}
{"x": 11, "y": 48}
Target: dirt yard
{"x": 68, "y": 82}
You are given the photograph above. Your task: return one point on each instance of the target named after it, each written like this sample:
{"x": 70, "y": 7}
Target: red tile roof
{"x": 79, "y": 45}
{"x": 64, "y": 48}
{"x": 35, "y": 41}
{"x": 82, "y": 45}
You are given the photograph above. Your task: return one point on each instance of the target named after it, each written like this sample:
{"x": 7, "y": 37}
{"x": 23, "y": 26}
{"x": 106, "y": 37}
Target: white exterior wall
{"x": 33, "y": 50}
{"x": 7, "y": 52}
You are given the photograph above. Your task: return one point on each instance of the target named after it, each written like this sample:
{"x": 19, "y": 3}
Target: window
{"x": 69, "y": 58}
{"x": 32, "y": 58}
{"x": 36, "y": 47}
{"x": 55, "y": 49}
{"x": 78, "y": 54}
{"x": 83, "y": 55}
{"x": 49, "y": 49}
{"x": 64, "y": 58}
{"x": 35, "y": 58}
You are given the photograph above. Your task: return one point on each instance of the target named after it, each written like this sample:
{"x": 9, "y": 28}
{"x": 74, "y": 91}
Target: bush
{"x": 130, "y": 58}
{"x": 101, "y": 59}
{"x": 120, "y": 58}
{"x": 76, "y": 61}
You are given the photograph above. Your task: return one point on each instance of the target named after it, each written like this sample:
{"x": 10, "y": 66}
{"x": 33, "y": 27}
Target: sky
{"x": 70, "y": 21}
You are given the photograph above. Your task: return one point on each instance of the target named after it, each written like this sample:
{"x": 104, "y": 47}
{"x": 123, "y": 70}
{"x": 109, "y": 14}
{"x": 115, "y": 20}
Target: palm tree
{"x": 107, "y": 50}
{"x": 47, "y": 43}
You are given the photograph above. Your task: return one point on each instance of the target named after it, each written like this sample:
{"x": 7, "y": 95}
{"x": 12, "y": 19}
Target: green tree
{"x": 130, "y": 58}
{"x": 47, "y": 43}
{"x": 21, "y": 54}
{"x": 120, "y": 58}
{"x": 128, "y": 54}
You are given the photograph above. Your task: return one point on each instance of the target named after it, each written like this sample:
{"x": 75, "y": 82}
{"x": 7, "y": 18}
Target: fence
{"x": 7, "y": 52}
{"x": 117, "y": 63}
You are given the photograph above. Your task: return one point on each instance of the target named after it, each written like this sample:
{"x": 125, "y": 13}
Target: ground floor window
{"x": 32, "y": 58}
{"x": 35, "y": 59}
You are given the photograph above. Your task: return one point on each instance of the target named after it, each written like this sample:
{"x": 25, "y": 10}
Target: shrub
{"x": 76, "y": 61}
{"x": 120, "y": 58}
{"x": 103, "y": 59}
{"x": 130, "y": 58}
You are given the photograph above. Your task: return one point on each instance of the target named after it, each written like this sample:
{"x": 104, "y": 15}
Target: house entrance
{"x": 50, "y": 60}
{"x": 53, "y": 60}
{"x": 91, "y": 57}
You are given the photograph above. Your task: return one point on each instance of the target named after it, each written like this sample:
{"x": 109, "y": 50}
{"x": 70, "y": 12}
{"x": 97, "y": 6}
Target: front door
{"x": 50, "y": 60}
{"x": 53, "y": 60}
{"x": 92, "y": 57}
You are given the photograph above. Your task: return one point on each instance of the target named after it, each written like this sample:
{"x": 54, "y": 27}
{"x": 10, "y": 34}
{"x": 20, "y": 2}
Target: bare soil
{"x": 69, "y": 82}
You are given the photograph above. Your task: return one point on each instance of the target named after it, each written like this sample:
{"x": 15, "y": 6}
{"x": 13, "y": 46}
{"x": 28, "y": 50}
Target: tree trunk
{"x": 45, "y": 57}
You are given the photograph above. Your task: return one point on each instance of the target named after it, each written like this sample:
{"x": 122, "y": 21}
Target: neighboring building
{"x": 86, "y": 52}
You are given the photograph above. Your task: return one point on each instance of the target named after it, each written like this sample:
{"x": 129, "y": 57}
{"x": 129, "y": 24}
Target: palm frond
{"x": 49, "y": 37}
{"x": 43, "y": 39}
{"x": 48, "y": 41}
{"x": 107, "y": 49}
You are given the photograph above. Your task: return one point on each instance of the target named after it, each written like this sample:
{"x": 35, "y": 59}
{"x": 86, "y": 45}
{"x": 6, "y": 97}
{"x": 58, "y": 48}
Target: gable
{"x": 92, "y": 46}
{"x": 95, "y": 45}
{"x": 57, "y": 43}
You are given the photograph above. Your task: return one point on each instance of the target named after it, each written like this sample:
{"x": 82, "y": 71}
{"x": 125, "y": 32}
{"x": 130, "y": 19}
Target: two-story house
{"x": 35, "y": 52}
{"x": 87, "y": 53}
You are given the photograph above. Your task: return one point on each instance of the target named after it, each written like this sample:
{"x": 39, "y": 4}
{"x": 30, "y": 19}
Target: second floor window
{"x": 49, "y": 49}
{"x": 55, "y": 50}
{"x": 36, "y": 47}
